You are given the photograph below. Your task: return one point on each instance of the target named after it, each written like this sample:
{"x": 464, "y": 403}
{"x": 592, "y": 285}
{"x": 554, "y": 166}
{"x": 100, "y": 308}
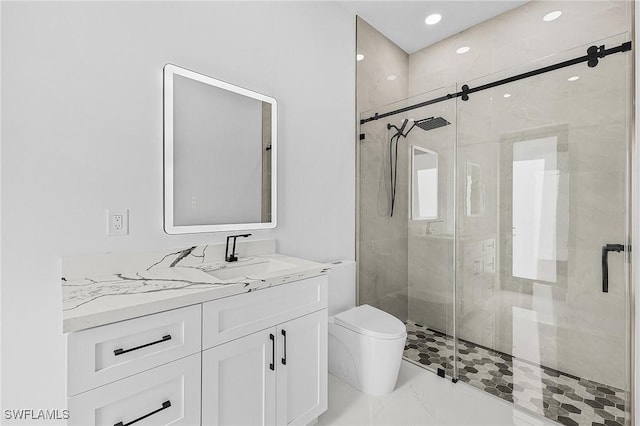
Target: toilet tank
{"x": 342, "y": 286}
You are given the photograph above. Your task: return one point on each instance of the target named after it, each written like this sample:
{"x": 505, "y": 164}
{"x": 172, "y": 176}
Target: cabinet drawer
{"x": 234, "y": 317}
{"x": 102, "y": 355}
{"x": 169, "y": 394}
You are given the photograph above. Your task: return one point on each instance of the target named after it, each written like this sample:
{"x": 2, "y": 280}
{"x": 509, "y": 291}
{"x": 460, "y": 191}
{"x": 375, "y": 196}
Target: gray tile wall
{"x": 382, "y": 240}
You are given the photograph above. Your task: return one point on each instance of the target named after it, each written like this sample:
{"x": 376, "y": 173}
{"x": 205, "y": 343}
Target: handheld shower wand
{"x": 400, "y": 131}
{"x": 404, "y": 124}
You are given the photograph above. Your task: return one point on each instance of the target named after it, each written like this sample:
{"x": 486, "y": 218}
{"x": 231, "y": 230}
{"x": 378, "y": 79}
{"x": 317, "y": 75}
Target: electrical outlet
{"x": 117, "y": 222}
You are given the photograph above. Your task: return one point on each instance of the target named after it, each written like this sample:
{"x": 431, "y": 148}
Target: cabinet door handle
{"x": 605, "y": 263}
{"x": 272, "y": 366}
{"x": 284, "y": 360}
{"x": 165, "y": 405}
{"x": 121, "y": 351}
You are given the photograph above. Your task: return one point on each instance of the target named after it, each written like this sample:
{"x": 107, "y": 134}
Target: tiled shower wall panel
{"x": 382, "y": 240}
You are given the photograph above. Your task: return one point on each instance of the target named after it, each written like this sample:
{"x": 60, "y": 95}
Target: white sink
{"x": 233, "y": 271}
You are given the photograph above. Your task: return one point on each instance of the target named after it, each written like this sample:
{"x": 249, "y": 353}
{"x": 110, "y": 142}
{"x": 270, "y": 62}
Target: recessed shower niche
{"x": 220, "y": 155}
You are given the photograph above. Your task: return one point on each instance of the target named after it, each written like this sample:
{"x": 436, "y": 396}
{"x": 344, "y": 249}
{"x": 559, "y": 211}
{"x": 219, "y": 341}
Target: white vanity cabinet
{"x": 272, "y": 367}
{"x": 257, "y": 358}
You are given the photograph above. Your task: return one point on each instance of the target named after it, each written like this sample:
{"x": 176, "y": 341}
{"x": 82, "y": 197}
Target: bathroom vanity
{"x": 198, "y": 342}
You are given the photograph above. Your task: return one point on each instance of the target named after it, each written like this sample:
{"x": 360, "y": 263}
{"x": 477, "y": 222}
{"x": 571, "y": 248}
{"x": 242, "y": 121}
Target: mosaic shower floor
{"x": 558, "y": 396}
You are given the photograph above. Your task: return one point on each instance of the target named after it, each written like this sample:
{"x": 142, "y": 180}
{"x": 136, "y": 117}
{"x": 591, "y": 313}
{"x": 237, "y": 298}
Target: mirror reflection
{"x": 424, "y": 183}
{"x": 474, "y": 192}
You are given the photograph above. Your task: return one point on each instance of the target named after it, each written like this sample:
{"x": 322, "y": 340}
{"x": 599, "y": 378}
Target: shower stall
{"x": 507, "y": 253}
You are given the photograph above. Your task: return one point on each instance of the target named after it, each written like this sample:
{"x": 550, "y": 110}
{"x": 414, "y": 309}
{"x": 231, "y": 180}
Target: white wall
{"x": 82, "y": 132}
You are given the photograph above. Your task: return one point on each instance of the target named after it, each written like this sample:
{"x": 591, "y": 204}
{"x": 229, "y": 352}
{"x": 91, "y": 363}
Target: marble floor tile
{"x": 421, "y": 398}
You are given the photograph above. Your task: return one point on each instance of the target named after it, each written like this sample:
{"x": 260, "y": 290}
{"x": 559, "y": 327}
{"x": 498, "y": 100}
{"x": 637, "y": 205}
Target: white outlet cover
{"x": 111, "y": 229}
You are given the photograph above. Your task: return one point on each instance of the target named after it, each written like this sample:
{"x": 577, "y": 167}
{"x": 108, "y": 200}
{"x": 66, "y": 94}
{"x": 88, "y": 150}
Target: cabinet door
{"x": 302, "y": 369}
{"x": 238, "y": 382}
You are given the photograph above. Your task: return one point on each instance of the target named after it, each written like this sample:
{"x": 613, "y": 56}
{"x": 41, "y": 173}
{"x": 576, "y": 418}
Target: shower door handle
{"x": 605, "y": 263}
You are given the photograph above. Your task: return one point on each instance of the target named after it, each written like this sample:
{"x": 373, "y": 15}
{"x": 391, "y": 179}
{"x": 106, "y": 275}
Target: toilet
{"x": 365, "y": 343}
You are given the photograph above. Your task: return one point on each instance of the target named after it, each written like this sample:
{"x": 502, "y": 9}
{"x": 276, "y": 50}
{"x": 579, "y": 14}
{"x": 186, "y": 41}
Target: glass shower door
{"x": 431, "y": 234}
{"x": 406, "y": 193}
{"x": 542, "y": 277}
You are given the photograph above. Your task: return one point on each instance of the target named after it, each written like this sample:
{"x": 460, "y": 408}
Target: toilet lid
{"x": 369, "y": 321}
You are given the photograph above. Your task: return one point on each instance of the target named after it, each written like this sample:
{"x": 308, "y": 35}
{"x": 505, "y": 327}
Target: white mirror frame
{"x": 169, "y": 226}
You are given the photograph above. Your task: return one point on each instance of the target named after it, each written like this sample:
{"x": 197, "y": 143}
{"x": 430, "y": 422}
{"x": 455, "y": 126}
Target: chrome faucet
{"x": 231, "y": 257}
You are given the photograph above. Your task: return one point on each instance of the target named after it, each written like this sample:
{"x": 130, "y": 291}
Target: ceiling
{"x": 402, "y": 22}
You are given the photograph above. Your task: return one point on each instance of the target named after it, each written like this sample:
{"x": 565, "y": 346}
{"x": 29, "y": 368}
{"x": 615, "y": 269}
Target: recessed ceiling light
{"x": 574, "y": 78}
{"x": 552, "y": 16}
{"x": 463, "y": 49}
{"x": 432, "y": 19}
{"x": 392, "y": 77}
{"x": 507, "y": 95}
{"x": 359, "y": 57}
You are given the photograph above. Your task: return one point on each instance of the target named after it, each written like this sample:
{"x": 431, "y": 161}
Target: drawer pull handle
{"x": 121, "y": 351}
{"x": 272, "y": 366}
{"x": 284, "y": 360}
{"x": 165, "y": 405}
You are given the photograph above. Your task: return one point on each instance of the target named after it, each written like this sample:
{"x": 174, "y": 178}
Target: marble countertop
{"x": 95, "y": 301}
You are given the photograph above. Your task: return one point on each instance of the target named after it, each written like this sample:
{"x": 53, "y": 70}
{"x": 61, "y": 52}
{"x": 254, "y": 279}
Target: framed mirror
{"x": 424, "y": 184}
{"x": 220, "y": 152}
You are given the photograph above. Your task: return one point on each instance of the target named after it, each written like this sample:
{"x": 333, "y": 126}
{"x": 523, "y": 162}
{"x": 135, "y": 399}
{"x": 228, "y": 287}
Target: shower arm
{"x": 399, "y": 130}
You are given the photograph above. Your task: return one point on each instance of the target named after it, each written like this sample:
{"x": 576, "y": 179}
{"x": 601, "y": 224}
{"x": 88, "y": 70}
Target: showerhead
{"x": 425, "y": 124}
{"x": 431, "y": 123}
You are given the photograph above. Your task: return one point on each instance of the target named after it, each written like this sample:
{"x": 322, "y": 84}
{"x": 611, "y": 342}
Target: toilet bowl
{"x": 365, "y": 348}
{"x": 365, "y": 343}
